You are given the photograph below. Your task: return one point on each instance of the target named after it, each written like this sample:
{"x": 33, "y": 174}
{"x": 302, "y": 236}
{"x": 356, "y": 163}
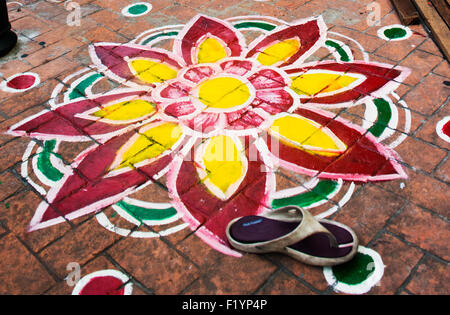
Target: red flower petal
{"x": 310, "y": 33}
{"x": 203, "y": 122}
{"x": 238, "y": 67}
{"x": 209, "y": 215}
{"x": 267, "y": 79}
{"x": 63, "y": 122}
{"x": 364, "y": 160}
{"x": 274, "y": 98}
{"x": 21, "y": 82}
{"x": 179, "y": 109}
{"x": 381, "y": 79}
{"x": 175, "y": 90}
{"x": 244, "y": 119}
{"x": 103, "y": 285}
{"x": 113, "y": 59}
{"x": 89, "y": 188}
{"x": 199, "y": 73}
{"x": 202, "y": 26}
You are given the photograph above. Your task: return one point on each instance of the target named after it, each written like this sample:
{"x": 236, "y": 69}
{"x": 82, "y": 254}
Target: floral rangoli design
{"x": 216, "y": 116}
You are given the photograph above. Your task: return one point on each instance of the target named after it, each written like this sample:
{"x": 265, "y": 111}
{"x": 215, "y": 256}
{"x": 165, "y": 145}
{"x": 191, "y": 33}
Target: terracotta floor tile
{"x": 30, "y": 26}
{"x": 53, "y": 68}
{"x": 404, "y": 220}
{"x": 420, "y": 63}
{"x": 420, "y": 154}
{"x": 428, "y": 131}
{"x": 16, "y": 11}
{"x": 422, "y": 100}
{"x": 422, "y": 190}
{"x": 47, "y": 10}
{"x": 20, "y": 102}
{"x": 444, "y": 171}
{"x": 430, "y": 278}
{"x": 443, "y": 69}
{"x": 18, "y": 211}
{"x": 420, "y": 227}
{"x": 156, "y": 265}
{"x": 79, "y": 245}
{"x": 9, "y": 184}
{"x": 12, "y": 152}
{"x": 12, "y": 67}
{"x": 231, "y": 275}
{"x": 284, "y": 284}
{"x": 430, "y": 46}
{"x": 368, "y": 211}
{"x": 20, "y": 272}
{"x": 399, "y": 260}
{"x": 311, "y": 274}
{"x": 53, "y": 51}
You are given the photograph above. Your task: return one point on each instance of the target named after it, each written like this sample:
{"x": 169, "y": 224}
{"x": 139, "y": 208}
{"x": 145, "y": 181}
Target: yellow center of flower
{"x": 223, "y": 92}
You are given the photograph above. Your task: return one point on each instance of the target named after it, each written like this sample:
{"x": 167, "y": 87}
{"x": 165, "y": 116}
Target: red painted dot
{"x": 446, "y": 129}
{"x": 104, "y": 285}
{"x": 21, "y": 82}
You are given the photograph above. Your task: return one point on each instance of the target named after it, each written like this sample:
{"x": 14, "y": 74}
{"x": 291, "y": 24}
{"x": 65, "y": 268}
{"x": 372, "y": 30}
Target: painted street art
{"x": 212, "y": 113}
{"x": 20, "y": 82}
{"x": 357, "y": 276}
{"x": 104, "y": 282}
{"x": 137, "y": 9}
{"x": 394, "y": 32}
{"x": 443, "y": 129}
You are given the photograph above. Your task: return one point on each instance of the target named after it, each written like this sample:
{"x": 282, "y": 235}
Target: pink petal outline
{"x": 154, "y": 170}
{"x": 66, "y": 115}
{"x": 209, "y": 238}
{"x": 264, "y": 41}
{"x": 183, "y": 41}
{"x": 120, "y": 64}
{"x": 388, "y": 153}
{"x": 350, "y": 67}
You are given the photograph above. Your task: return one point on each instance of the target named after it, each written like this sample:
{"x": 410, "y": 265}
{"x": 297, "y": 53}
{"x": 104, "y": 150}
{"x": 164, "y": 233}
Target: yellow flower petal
{"x": 314, "y": 83}
{"x": 305, "y": 134}
{"x": 152, "y": 71}
{"x": 225, "y": 166}
{"x": 151, "y": 144}
{"x": 127, "y": 110}
{"x": 280, "y": 51}
{"x": 210, "y": 50}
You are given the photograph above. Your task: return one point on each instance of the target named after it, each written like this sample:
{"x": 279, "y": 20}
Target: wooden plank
{"x": 436, "y": 24}
{"x": 406, "y": 11}
{"x": 443, "y": 9}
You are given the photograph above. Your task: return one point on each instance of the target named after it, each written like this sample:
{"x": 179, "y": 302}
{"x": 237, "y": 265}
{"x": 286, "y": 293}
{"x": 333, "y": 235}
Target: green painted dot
{"x": 356, "y": 270}
{"x": 395, "y": 33}
{"x": 138, "y": 9}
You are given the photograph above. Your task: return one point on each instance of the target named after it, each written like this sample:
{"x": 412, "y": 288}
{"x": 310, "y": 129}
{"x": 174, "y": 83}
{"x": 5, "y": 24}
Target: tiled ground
{"x": 405, "y": 221}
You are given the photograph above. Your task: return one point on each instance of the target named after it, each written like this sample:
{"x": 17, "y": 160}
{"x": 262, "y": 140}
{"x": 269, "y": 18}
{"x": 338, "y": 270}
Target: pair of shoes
{"x": 295, "y": 232}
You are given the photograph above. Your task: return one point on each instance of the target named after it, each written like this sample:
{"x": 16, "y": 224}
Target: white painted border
{"x": 103, "y": 220}
{"x": 128, "y": 288}
{"x": 439, "y": 127}
{"x": 381, "y": 35}
{"x": 4, "y": 87}
{"x": 364, "y": 286}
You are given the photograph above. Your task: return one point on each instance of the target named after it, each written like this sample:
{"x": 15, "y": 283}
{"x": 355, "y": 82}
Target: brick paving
{"x": 404, "y": 220}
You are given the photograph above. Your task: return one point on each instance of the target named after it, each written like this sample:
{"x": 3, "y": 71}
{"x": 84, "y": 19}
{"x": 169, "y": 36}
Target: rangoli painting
{"x": 217, "y": 109}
